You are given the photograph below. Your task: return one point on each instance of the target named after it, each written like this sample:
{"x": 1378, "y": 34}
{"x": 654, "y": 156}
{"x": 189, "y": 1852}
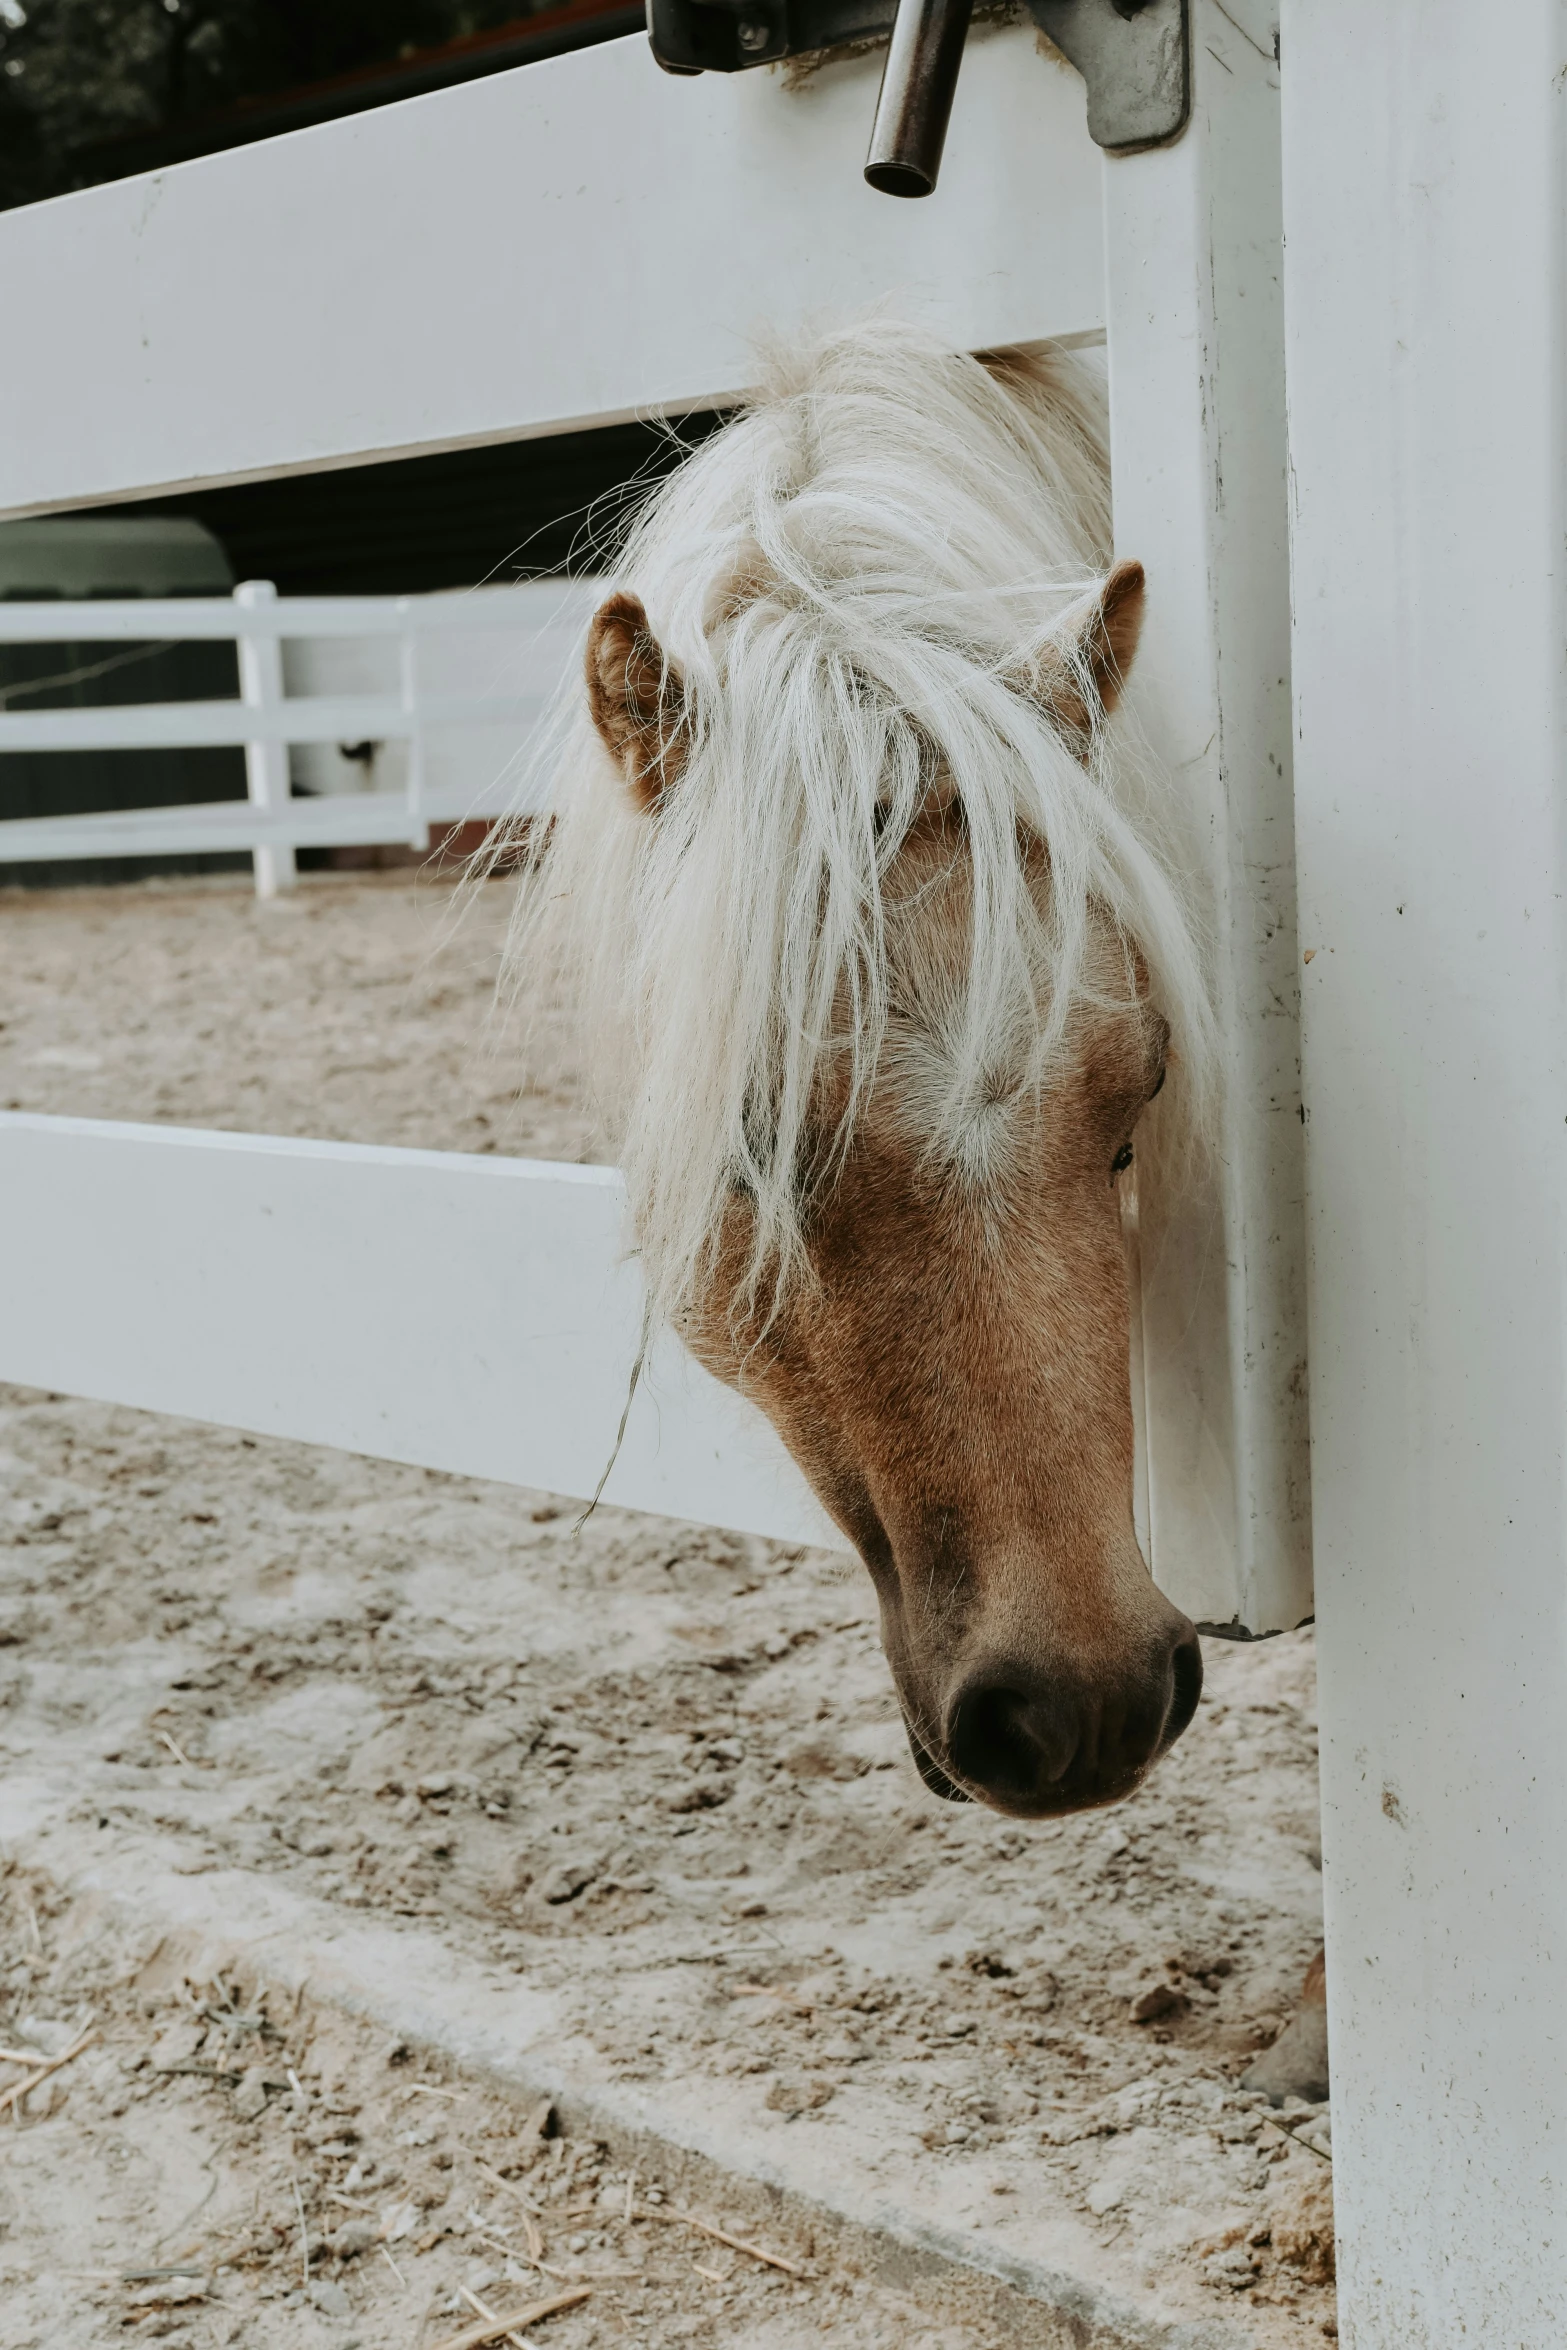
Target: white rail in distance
{"x": 541, "y": 623}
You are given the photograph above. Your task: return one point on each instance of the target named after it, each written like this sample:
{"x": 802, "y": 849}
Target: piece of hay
{"x": 688, "y": 2219}
{"x": 20, "y": 2089}
{"x": 774, "y": 1991}
{"x": 170, "y": 2292}
{"x": 531, "y": 2212}
{"x": 496, "y": 2329}
{"x": 304, "y": 2233}
{"x": 474, "y": 2302}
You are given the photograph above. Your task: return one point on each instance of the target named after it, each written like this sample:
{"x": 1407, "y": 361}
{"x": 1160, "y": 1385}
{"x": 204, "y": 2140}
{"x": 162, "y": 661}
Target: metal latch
{"x": 1133, "y": 55}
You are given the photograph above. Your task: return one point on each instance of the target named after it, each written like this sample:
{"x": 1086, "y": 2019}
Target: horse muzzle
{"x": 1037, "y": 1744}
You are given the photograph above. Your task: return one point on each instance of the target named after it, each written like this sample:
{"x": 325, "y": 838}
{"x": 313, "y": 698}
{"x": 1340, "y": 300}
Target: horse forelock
{"x": 853, "y": 584}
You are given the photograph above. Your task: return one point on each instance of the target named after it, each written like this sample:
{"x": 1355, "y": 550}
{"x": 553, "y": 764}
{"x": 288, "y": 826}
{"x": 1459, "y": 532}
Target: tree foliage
{"x": 78, "y": 75}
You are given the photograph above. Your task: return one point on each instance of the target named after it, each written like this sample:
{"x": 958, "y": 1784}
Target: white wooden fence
{"x": 230, "y": 319}
{"x": 536, "y": 631}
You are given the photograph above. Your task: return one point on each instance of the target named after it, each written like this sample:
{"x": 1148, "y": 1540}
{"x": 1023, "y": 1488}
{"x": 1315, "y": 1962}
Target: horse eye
{"x": 1122, "y": 1159}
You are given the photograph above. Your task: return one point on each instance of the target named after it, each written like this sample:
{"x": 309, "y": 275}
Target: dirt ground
{"x": 651, "y": 1777}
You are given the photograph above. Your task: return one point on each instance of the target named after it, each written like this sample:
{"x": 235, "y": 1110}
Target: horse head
{"x": 894, "y": 975}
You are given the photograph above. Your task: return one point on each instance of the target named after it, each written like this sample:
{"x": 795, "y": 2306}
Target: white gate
{"x": 585, "y": 240}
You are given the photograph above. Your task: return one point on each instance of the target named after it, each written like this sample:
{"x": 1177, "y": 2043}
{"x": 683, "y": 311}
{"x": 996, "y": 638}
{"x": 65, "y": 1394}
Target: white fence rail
{"x": 574, "y": 243}
{"x": 534, "y": 628}
{"x": 254, "y": 1281}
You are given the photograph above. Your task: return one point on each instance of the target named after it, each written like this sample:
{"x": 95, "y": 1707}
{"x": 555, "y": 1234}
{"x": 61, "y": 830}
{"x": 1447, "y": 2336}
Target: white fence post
{"x": 266, "y": 763}
{"x": 408, "y": 690}
{"x": 1425, "y": 163}
{"x": 1196, "y": 339}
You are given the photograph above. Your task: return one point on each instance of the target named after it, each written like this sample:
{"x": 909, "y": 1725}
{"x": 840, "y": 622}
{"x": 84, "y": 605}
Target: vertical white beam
{"x": 1196, "y": 336}
{"x": 266, "y": 763}
{"x": 1426, "y": 281}
{"x": 408, "y": 690}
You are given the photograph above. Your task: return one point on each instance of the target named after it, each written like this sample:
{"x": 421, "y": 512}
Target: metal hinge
{"x": 1133, "y": 54}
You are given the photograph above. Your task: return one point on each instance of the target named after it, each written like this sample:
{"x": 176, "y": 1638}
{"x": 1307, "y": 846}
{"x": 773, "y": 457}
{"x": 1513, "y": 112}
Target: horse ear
{"x": 636, "y": 699}
{"x": 1080, "y": 682}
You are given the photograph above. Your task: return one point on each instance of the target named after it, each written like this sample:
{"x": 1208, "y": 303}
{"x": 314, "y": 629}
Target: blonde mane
{"x": 858, "y": 584}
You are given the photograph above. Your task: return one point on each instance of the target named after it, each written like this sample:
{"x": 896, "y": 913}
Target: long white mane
{"x": 855, "y": 582}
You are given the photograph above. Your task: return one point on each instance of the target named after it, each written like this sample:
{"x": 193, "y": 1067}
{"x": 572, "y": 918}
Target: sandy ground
{"x": 361, "y": 1010}
{"x": 649, "y": 1775}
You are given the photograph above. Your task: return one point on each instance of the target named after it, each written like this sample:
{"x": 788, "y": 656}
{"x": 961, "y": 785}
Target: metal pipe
{"x": 917, "y": 86}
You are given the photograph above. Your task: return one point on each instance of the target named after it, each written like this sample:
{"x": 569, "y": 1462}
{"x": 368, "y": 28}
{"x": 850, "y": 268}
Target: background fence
{"x": 445, "y": 693}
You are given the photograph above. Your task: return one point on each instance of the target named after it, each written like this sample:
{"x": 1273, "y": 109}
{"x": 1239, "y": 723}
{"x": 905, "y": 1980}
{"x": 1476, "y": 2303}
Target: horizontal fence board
{"x": 581, "y": 241}
{"x": 477, "y": 1315}
{"x": 312, "y": 718}
{"x": 341, "y": 820}
{"x": 551, "y": 611}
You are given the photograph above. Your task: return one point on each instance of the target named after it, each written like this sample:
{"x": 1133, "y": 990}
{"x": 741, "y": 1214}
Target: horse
{"x": 871, "y": 901}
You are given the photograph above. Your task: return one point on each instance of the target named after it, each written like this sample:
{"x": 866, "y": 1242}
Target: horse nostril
{"x": 1031, "y": 1744}
{"x": 1012, "y": 1745}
